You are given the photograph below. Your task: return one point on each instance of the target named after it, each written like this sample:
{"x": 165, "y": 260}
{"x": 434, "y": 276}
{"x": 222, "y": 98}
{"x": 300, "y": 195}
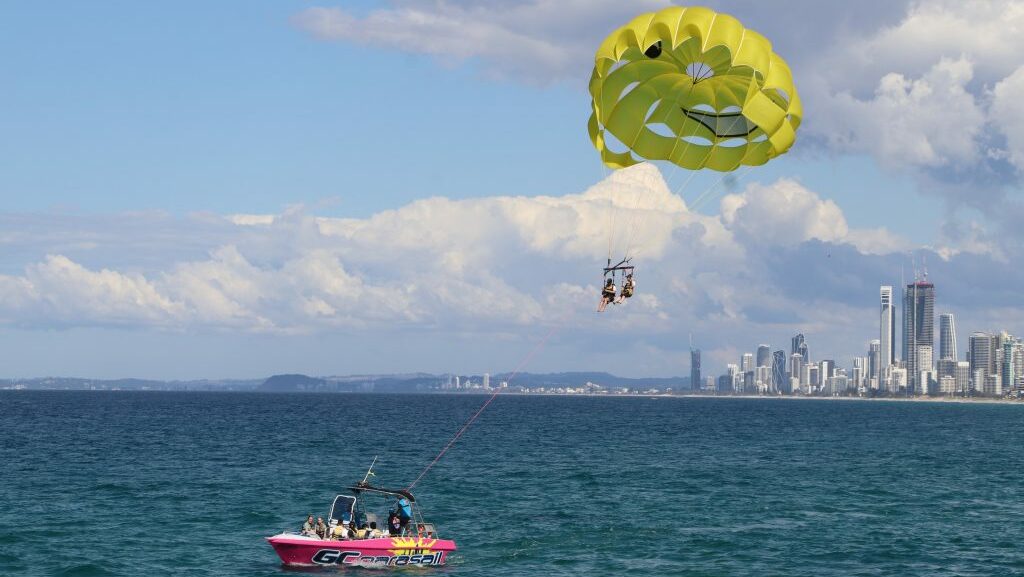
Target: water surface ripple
{"x": 147, "y": 483}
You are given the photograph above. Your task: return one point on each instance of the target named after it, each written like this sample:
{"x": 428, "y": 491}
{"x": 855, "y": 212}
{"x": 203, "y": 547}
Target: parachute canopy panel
{"x": 692, "y": 87}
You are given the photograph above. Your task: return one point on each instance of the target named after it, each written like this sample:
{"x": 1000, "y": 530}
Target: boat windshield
{"x": 343, "y": 508}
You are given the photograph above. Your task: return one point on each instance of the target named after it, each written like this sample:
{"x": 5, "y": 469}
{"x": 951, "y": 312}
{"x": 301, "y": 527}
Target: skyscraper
{"x": 828, "y": 369}
{"x": 747, "y": 363}
{"x": 695, "y": 369}
{"x": 981, "y": 348}
{"x": 799, "y": 347}
{"x": 1008, "y": 374}
{"x": 886, "y": 331}
{"x": 735, "y": 376}
{"x": 874, "y": 352}
{"x": 764, "y": 356}
{"x": 918, "y": 328}
{"x": 963, "y": 377}
{"x": 779, "y": 380}
{"x": 1018, "y": 364}
{"x": 947, "y": 337}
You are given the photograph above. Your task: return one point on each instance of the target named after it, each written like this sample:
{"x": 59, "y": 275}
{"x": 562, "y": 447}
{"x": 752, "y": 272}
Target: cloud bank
{"x": 778, "y": 259}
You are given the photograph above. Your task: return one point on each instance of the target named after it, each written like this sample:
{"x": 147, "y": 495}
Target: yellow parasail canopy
{"x": 693, "y": 87}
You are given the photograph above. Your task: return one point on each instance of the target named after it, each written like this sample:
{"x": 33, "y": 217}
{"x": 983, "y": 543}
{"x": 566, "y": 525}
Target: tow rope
{"x": 469, "y": 422}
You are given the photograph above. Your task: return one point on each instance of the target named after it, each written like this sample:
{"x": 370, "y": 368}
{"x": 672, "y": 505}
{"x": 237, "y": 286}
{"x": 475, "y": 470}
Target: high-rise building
{"x": 764, "y": 356}
{"x": 886, "y": 331}
{"x": 981, "y": 347}
{"x": 1007, "y": 372}
{"x": 918, "y": 327}
{"x": 725, "y": 384}
{"x": 747, "y": 363}
{"x": 762, "y": 379}
{"x": 487, "y": 381}
{"x": 947, "y": 337}
{"x": 963, "y": 377}
{"x": 695, "y": 369}
{"x": 796, "y": 368}
{"x": 735, "y": 376}
{"x": 780, "y": 383}
{"x": 926, "y": 374}
{"x": 1018, "y": 364}
{"x": 874, "y": 350}
{"x": 858, "y": 378}
{"x": 828, "y": 369}
{"x": 799, "y": 347}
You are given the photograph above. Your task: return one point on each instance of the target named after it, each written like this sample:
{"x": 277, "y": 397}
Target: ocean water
{"x": 146, "y": 483}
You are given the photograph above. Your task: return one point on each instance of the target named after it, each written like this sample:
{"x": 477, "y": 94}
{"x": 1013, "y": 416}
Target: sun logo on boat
{"x": 411, "y": 545}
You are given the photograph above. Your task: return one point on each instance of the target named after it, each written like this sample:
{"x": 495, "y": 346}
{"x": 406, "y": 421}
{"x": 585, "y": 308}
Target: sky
{"x": 235, "y": 189}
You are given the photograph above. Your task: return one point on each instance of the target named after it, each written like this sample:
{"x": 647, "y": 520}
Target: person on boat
{"x": 404, "y": 510}
{"x": 627, "y": 289}
{"x": 374, "y": 531}
{"x": 309, "y": 528}
{"x": 607, "y": 295}
{"x": 342, "y": 531}
{"x": 321, "y": 528}
{"x": 394, "y": 524}
{"x": 363, "y": 532}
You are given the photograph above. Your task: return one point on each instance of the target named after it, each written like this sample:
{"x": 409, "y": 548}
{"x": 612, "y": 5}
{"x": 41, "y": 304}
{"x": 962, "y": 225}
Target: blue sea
{"x": 149, "y": 483}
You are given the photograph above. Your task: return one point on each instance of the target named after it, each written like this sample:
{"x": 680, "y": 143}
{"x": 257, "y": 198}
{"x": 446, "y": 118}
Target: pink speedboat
{"x": 409, "y": 541}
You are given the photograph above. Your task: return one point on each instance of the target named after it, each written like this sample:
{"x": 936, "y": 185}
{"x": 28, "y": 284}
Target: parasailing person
{"x": 693, "y": 88}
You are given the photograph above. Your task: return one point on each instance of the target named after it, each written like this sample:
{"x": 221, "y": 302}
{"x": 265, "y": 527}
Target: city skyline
{"x": 994, "y": 364}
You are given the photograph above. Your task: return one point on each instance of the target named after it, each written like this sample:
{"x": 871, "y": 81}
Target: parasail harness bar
{"x": 622, "y": 265}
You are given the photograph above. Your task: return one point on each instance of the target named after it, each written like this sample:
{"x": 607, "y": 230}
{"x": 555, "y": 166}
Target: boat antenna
{"x": 369, "y": 472}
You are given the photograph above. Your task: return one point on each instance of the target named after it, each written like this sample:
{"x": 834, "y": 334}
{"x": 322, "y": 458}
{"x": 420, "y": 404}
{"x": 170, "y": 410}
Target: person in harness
{"x": 400, "y": 516}
{"x": 607, "y": 294}
{"x": 627, "y": 289}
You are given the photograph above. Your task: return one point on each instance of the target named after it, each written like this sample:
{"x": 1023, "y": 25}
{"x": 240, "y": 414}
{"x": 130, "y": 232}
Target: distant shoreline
{"x": 956, "y": 400}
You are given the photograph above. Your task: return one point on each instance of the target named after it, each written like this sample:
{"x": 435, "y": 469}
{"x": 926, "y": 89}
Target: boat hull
{"x": 383, "y": 552}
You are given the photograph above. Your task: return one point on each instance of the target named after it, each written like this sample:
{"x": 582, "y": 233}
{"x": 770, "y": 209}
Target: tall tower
{"x": 947, "y": 337}
{"x": 918, "y": 328}
{"x": 887, "y": 331}
{"x": 694, "y": 369}
{"x": 799, "y": 347}
{"x": 764, "y": 356}
{"x": 1007, "y": 371}
{"x": 874, "y": 350}
{"x": 780, "y": 383}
